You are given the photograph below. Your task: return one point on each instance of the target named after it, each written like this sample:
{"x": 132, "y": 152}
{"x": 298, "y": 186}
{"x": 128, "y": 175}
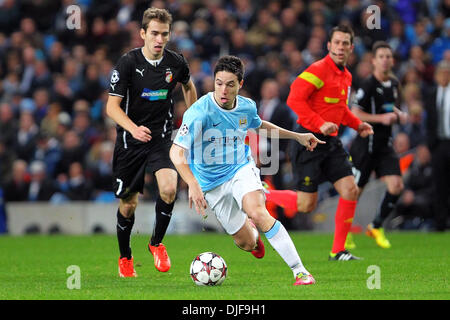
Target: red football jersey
{"x": 320, "y": 94}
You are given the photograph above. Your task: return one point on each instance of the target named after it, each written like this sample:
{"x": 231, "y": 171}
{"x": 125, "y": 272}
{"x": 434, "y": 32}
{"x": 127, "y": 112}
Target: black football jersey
{"x": 147, "y": 91}
{"x": 375, "y": 97}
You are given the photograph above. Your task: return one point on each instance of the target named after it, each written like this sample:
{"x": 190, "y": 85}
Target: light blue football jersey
{"x": 215, "y": 139}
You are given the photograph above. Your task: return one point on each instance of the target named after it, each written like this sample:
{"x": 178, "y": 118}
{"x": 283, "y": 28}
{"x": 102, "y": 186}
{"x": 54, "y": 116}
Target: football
{"x": 208, "y": 269}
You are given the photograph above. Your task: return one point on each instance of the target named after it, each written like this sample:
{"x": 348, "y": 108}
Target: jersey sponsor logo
{"x": 169, "y": 75}
{"x": 380, "y": 90}
{"x": 153, "y": 95}
{"x": 388, "y": 107}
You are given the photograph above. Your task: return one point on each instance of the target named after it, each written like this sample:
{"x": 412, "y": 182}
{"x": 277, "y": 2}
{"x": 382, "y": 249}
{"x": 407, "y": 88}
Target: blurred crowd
{"x": 56, "y": 143}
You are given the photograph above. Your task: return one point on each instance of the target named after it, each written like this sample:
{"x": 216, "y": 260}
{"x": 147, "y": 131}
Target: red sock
{"x": 284, "y": 198}
{"x": 343, "y": 221}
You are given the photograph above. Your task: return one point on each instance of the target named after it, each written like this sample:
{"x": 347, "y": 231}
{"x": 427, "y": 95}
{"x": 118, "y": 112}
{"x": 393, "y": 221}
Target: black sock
{"x": 124, "y": 227}
{"x": 162, "y": 219}
{"x": 386, "y": 207}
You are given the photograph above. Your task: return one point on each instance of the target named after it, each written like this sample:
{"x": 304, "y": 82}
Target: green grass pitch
{"x": 35, "y": 267}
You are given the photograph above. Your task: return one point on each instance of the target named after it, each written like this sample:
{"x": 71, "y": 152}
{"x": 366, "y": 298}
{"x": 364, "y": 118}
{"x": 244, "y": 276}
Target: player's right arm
{"x": 115, "y": 112}
{"x": 119, "y": 87}
{"x": 178, "y": 157}
{"x": 188, "y": 133}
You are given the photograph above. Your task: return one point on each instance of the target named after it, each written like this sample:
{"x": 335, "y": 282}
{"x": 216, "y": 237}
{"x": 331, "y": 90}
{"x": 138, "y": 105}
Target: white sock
{"x": 282, "y": 243}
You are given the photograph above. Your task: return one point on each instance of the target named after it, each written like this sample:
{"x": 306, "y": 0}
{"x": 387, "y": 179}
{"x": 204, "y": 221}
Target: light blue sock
{"x": 280, "y": 240}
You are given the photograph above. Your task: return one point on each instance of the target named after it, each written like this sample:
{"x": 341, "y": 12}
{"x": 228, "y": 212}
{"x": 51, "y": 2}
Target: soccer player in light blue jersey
{"x": 211, "y": 156}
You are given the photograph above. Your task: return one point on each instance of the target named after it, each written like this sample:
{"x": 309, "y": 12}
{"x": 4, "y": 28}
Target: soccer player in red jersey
{"x": 319, "y": 96}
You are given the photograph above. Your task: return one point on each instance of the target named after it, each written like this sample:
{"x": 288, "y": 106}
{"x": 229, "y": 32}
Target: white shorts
{"x": 226, "y": 199}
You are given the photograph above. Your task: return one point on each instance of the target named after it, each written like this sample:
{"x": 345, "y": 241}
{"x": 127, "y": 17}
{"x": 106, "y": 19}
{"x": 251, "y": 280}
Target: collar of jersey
{"x": 152, "y": 61}
{"x": 333, "y": 65}
{"x": 211, "y": 96}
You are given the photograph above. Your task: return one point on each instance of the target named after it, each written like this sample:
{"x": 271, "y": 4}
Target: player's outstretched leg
{"x": 166, "y": 179}
{"x": 157, "y": 249}
{"x": 276, "y": 234}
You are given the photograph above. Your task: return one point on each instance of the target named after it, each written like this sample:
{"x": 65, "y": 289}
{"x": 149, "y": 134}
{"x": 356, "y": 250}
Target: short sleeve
{"x": 255, "y": 121}
{"x": 185, "y": 73}
{"x": 120, "y": 77}
{"x": 362, "y": 97}
{"x": 190, "y": 129}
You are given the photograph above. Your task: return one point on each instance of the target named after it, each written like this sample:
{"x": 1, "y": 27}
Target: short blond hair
{"x": 162, "y": 15}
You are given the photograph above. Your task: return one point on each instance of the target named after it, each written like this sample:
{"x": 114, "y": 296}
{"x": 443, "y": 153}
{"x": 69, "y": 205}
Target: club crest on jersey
{"x": 243, "y": 122}
{"x": 169, "y": 75}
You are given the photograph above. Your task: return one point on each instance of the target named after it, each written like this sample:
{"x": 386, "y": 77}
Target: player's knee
{"x": 127, "y": 209}
{"x": 262, "y": 219}
{"x": 258, "y": 215}
{"x": 306, "y": 206}
{"x": 168, "y": 194}
{"x": 351, "y": 192}
{"x": 396, "y": 188}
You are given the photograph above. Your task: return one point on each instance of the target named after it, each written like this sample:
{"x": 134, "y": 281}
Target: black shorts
{"x": 131, "y": 164}
{"x": 383, "y": 160}
{"x": 328, "y": 162}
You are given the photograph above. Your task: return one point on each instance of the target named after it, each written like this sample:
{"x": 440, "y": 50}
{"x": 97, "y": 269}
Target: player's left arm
{"x": 189, "y": 92}
{"x": 273, "y": 131}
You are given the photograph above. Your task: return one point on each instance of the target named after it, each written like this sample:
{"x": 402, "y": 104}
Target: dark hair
{"x": 161, "y": 15}
{"x": 342, "y": 28}
{"x": 230, "y": 64}
{"x": 380, "y": 44}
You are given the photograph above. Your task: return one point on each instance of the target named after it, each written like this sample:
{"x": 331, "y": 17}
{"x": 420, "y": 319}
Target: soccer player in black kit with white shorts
{"x": 140, "y": 102}
{"x": 376, "y": 102}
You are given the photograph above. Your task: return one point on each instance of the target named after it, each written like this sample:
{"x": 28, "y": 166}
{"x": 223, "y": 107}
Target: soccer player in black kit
{"x": 140, "y": 102}
{"x": 376, "y": 102}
